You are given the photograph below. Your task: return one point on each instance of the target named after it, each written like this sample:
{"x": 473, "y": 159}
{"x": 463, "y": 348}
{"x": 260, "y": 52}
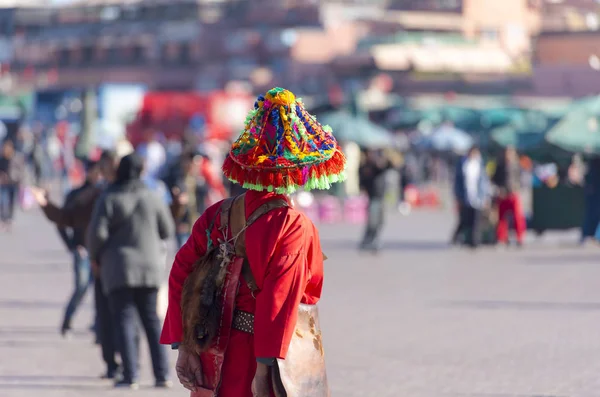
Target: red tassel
{"x": 282, "y": 177}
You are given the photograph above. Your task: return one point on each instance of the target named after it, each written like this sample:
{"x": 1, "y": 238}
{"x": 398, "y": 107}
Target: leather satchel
{"x": 302, "y": 373}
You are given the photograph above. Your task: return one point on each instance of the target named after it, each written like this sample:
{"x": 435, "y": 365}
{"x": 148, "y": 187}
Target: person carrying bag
{"x": 244, "y": 287}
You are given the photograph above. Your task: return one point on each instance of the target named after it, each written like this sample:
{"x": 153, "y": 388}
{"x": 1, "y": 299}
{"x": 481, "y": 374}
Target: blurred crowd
{"x": 125, "y": 204}
{"x": 119, "y": 213}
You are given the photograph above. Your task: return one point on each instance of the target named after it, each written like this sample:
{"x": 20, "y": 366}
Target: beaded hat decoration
{"x": 283, "y": 148}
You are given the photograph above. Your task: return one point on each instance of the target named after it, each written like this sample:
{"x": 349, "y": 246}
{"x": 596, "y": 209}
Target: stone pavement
{"x": 420, "y": 319}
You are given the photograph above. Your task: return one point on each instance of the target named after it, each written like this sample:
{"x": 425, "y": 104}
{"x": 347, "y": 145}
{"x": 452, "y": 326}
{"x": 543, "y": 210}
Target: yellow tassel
{"x": 283, "y": 98}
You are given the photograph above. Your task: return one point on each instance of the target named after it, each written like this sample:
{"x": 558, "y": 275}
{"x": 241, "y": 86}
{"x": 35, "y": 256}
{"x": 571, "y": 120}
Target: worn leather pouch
{"x": 302, "y": 373}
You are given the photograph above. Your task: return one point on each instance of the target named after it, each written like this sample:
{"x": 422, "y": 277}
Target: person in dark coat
{"x": 124, "y": 240}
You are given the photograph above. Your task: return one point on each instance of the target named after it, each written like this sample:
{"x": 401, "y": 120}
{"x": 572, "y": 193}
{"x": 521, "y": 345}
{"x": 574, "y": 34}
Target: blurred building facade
{"x": 308, "y": 45}
{"x": 182, "y": 44}
{"x": 570, "y": 15}
{"x": 567, "y": 56}
{"x": 567, "y": 64}
{"x": 510, "y": 23}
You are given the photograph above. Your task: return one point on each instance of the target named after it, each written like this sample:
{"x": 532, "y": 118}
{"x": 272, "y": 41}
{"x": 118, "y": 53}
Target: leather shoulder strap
{"x": 225, "y": 208}
{"x": 238, "y": 225}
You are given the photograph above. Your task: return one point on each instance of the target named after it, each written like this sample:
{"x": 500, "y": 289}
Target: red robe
{"x": 284, "y": 252}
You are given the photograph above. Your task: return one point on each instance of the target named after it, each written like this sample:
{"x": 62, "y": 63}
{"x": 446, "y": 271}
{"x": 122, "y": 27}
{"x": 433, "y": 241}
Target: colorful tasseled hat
{"x": 283, "y": 148}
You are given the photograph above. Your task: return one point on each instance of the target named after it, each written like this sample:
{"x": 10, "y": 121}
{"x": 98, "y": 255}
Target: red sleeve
{"x": 283, "y": 287}
{"x": 193, "y": 249}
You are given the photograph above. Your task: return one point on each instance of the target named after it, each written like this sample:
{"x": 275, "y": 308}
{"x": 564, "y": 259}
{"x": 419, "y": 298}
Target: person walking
{"x": 36, "y": 159}
{"x": 471, "y": 191}
{"x": 507, "y": 179}
{"x": 234, "y": 341}
{"x": 75, "y": 241}
{"x": 373, "y": 181}
{"x": 124, "y": 239}
{"x": 12, "y": 172}
{"x": 77, "y": 214}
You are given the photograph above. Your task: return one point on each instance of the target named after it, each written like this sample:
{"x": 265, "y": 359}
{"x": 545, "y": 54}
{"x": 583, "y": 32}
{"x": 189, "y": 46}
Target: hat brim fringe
{"x": 287, "y": 180}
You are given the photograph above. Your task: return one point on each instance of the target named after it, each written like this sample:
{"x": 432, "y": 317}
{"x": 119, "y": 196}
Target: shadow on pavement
{"x": 521, "y": 305}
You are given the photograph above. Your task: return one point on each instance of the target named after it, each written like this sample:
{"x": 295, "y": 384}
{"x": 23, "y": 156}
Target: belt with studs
{"x": 243, "y": 321}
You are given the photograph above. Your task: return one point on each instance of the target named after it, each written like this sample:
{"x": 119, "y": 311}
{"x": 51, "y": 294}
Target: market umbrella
{"x": 463, "y": 118}
{"x": 446, "y": 138}
{"x": 403, "y": 118}
{"x": 360, "y": 130}
{"x": 524, "y": 133}
{"x": 522, "y": 140}
{"x": 497, "y": 117}
{"x": 579, "y": 130}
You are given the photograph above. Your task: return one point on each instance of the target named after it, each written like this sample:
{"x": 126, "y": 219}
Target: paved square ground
{"x": 420, "y": 319}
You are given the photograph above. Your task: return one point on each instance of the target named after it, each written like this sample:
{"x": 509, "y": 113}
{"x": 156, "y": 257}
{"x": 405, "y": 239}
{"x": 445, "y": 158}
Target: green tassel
{"x": 322, "y": 183}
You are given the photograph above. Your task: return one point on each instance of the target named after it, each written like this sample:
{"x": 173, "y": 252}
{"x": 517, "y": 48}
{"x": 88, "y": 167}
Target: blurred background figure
{"x": 591, "y": 217}
{"x": 125, "y": 241}
{"x": 12, "y": 172}
{"x": 374, "y": 182}
{"x": 471, "y": 192}
{"x": 353, "y": 156}
{"x": 37, "y": 159}
{"x": 408, "y": 176}
{"x": 507, "y": 180}
{"x": 153, "y": 153}
{"x": 74, "y": 239}
{"x": 76, "y": 214}
{"x": 187, "y": 188}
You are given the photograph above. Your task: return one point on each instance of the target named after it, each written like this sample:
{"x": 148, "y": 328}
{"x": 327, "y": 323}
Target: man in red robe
{"x": 284, "y": 253}
{"x": 282, "y": 247}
